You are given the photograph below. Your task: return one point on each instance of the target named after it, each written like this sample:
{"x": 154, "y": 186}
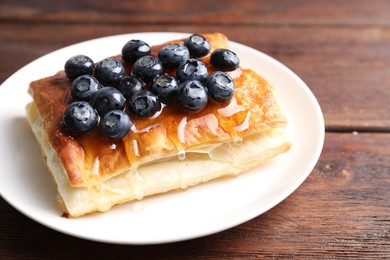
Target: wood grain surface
{"x": 341, "y": 49}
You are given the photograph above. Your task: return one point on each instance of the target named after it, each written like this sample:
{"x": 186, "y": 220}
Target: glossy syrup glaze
{"x": 170, "y": 133}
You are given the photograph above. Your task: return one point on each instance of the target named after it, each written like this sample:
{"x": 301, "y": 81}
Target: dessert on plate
{"x": 151, "y": 120}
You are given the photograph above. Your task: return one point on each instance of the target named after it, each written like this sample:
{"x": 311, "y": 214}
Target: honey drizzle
{"x": 181, "y": 154}
{"x": 231, "y": 109}
{"x": 137, "y": 184}
{"x": 181, "y": 130}
{"x": 232, "y": 117}
{"x": 245, "y": 124}
{"x": 144, "y": 130}
{"x": 135, "y": 147}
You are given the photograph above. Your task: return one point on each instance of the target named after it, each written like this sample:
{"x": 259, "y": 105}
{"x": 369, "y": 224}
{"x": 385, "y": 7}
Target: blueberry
{"x": 192, "y": 69}
{"x": 197, "y": 45}
{"x": 147, "y": 68}
{"x": 115, "y": 124}
{"x": 84, "y": 87}
{"x": 135, "y": 49}
{"x": 172, "y": 55}
{"x": 109, "y": 72}
{"x": 224, "y": 59}
{"x": 220, "y": 86}
{"x": 78, "y": 65}
{"x": 144, "y": 104}
{"x": 192, "y": 96}
{"x": 165, "y": 87}
{"x": 107, "y": 99}
{"x": 80, "y": 117}
{"x": 129, "y": 85}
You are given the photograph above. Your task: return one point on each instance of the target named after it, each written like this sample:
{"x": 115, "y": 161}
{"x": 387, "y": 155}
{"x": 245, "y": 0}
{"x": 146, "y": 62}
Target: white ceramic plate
{"x": 198, "y": 211}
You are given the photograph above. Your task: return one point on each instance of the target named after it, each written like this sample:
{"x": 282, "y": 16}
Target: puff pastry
{"x": 170, "y": 151}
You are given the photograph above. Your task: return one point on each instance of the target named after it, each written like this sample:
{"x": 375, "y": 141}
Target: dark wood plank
{"x": 201, "y": 12}
{"x": 341, "y": 210}
{"x": 347, "y": 68}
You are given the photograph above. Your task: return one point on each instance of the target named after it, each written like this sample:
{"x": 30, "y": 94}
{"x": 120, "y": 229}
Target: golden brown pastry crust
{"x": 91, "y": 158}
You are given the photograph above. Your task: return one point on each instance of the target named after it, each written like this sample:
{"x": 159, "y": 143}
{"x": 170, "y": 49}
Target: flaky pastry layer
{"x": 172, "y": 174}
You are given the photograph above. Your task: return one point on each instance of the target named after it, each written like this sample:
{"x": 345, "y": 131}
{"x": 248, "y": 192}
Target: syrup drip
{"x": 138, "y": 189}
{"x": 159, "y": 112}
{"x": 96, "y": 166}
{"x": 181, "y": 130}
{"x": 135, "y": 148}
{"x": 144, "y": 130}
{"x": 136, "y": 182}
{"x": 237, "y": 141}
{"x": 244, "y": 125}
{"x": 181, "y": 154}
{"x": 102, "y": 188}
{"x": 231, "y": 109}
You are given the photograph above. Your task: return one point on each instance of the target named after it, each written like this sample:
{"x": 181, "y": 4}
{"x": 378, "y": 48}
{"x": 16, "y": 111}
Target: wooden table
{"x": 341, "y": 49}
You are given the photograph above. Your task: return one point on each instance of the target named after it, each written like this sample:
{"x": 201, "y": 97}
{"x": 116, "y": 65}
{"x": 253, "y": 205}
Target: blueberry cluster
{"x": 103, "y": 92}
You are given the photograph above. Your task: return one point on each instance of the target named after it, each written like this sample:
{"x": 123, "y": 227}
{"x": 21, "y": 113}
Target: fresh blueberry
{"x": 144, "y": 104}
{"x": 107, "y": 99}
{"x": 109, "y": 72}
{"x": 220, "y": 86}
{"x": 78, "y": 65}
{"x": 224, "y": 59}
{"x": 192, "y": 96}
{"x": 197, "y": 45}
{"x": 147, "y": 68}
{"x": 135, "y": 49}
{"x": 84, "y": 87}
{"x": 115, "y": 124}
{"x": 192, "y": 69}
{"x": 80, "y": 117}
{"x": 129, "y": 85}
{"x": 172, "y": 55}
{"x": 165, "y": 87}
